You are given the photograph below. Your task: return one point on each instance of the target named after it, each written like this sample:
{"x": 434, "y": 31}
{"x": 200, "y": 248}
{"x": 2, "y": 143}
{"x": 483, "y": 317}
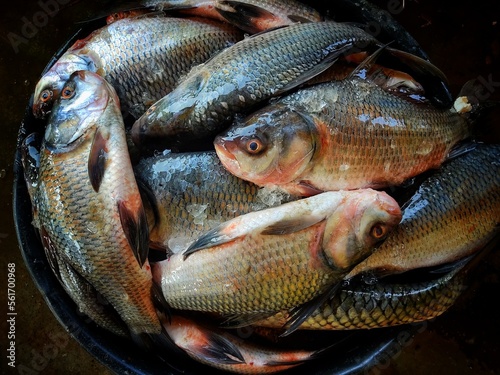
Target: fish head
{"x": 49, "y": 87}
{"x": 363, "y": 221}
{"x": 82, "y": 100}
{"x": 270, "y": 147}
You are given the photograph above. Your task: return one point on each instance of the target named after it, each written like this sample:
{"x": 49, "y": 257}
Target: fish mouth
{"x": 391, "y": 207}
{"x": 224, "y": 150}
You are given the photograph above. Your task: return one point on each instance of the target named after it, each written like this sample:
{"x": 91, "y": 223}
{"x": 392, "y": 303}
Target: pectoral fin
{"x": 301, "y": 313}
{"x": 432, "y": 79}
{"x": 220, "y": 350}
{"x": 326, "y": 63}
{"x": 97, "y": 160}
{"x": 293, "y": 225}
{"x": 234, "y": 229}
{"x": 135, "y": 227}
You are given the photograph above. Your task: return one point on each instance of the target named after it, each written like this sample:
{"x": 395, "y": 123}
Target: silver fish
{"x": 89, "y": 206}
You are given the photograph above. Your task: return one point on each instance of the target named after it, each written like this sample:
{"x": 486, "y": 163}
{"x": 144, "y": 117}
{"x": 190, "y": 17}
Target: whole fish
{"x": 191, "y": 192}
{"x": 275, "y": 259}
{"x": 89, "y": 206}
{"x": 225, "y": 351}
{"x": 143, "y": 58}
{"x": 382, "y": 304}
{"x": 453, "y": 213}
{"x": 81, "y": 292}
{"x": 249, "y": 72}
{"x": 346, "y": 134}
{"x": 252, "y": 16}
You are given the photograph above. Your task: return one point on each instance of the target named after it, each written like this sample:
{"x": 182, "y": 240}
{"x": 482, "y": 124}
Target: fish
{"x": 454, "y": 213}
{"x": 340, "y": 135}
{"x": 85, "y": 296}
{"x": 384, "y": 303}
{"x": 278, "y": 258}
{"x": 142, "y": 57}
{"x": 220, "y": 349}
{"x": 241, "y": 76}
{"x": 252, "y": 16}
{"x": 89, "y": 206}
{"x": 191, "y": 192}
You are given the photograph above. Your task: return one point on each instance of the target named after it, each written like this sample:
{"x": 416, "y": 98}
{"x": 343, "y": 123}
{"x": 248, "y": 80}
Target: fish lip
{"x": 391, "y": 206}
{"x": 222, "y": 149}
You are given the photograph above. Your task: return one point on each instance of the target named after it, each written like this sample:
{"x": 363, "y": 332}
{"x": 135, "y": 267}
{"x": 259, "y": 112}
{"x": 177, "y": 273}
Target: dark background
{"x": 462, "y": 39}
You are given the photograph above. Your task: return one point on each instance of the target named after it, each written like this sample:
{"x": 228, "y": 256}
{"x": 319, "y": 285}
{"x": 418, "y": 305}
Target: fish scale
{"x": 385, "y": 131}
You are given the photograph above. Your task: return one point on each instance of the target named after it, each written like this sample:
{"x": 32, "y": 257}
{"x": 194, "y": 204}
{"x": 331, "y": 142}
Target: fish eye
{"x": 46, "y": 95}
{"x": 378, "y": 231}
{"x": 254, "y": 146}
{"x": 67, "y": 92}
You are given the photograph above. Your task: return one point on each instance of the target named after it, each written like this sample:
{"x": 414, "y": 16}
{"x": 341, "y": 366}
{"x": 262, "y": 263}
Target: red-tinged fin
{"x": 326, "y": 63}
{"x": 219, "y": 350}
{"x": 135, "y": 227}
{"x": 305, "y": 189}
{"x": 98, "y": 157}
{"x": 244, "y": 16}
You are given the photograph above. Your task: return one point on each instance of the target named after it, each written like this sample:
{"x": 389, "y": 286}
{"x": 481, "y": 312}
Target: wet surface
{"x": 462, "y": 40}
